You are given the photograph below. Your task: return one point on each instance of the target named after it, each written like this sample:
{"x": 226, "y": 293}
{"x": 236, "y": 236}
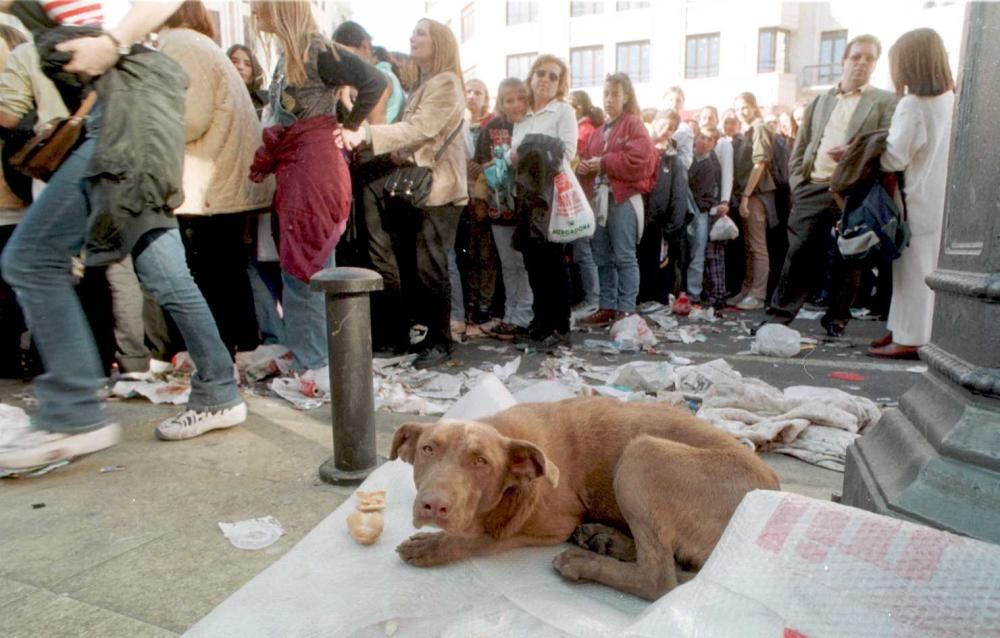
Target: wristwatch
{"x": 121, "y": 49}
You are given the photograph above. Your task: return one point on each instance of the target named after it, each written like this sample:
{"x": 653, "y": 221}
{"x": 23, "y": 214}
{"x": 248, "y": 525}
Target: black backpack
{"x": 873, "y": 229}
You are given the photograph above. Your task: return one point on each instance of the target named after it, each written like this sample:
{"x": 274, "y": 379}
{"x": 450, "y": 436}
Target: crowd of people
{"x": 198, "y": 220}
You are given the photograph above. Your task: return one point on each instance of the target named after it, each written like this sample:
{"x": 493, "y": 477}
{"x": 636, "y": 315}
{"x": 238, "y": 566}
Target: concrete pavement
{"x": 138, "y": 552}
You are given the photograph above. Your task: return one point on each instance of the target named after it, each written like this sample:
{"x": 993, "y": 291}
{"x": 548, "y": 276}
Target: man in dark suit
{"x": 832, "y": 120}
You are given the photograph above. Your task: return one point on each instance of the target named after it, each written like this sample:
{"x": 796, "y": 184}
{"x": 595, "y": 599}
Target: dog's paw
{"x": 572, "y": 564}
{"x": 606, "y": 541}
{"x": 424, "y": 549}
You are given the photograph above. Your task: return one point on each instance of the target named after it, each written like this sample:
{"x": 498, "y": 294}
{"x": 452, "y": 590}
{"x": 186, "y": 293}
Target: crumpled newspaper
{"x": 175, "y": 391}
{"x": 266, "y": 361}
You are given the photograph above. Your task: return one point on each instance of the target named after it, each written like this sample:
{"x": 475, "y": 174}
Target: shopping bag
{"x": 571, "y": 216}
{"x": 724, "y": 229}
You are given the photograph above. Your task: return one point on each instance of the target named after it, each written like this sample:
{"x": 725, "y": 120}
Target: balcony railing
{"x": 817, "y": 75}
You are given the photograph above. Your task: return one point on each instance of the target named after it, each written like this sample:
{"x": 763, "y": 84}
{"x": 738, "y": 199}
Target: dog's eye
{"x": 428, "y": 449}
{"x": 480, "y": 460}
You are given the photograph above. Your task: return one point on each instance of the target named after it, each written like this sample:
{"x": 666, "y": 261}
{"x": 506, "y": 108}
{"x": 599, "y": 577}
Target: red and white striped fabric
{"x": 74, "y": 12}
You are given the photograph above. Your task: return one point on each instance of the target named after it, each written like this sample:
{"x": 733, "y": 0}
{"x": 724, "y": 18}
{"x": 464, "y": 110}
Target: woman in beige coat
{"x": 223, "y": 133}
{"x": 435, "y": 110}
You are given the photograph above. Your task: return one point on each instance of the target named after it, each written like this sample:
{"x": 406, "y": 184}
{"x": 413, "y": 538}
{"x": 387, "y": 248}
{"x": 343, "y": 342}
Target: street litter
{"x": 664, "y": 319}
{"x": 107, "y": 469}
{"x": 266, "y": 361}
{"x": 37, "y": 506}
{"x": 174, "y": 392}
{"x": 847, "y": 376}
{"x": 917, "y": 369}
{"x": 695, "y": 380}
{"x": 505, "y": 371}
{"x": 632, "y": 333}
{"x": 254, "y": 533}
{"x": 776, "y": 420}
{"x": 290, "y": 389}
{"x": 704, "y": 313}
{"x": 776, "y": 340}
{"x": 648, "y": 376}
{"x": 182, "y": 362}
{"x": 809, "y": 315}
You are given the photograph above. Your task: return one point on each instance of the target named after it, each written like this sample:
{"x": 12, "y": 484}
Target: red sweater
{"x": 584, "y": 128}
{"x": 629, "y": 160}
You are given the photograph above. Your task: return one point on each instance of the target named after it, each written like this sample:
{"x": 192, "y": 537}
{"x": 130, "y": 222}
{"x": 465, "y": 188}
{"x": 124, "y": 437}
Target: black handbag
{"x": 412, "y": 184}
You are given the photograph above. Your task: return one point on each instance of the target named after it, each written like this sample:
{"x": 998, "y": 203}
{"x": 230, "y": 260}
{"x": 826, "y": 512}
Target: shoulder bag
{"x": 42, "y": 156}
{"x": 413, "y": 184}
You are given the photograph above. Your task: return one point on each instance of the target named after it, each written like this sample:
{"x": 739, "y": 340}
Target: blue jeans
{"x": 272, "y": 329}
{"x": 614, "y": 252}
{"x": 36, "y": 263}
{"x": 697, "y": 242}
{"x": 583, "y": 256}
{"x": 305, "y": 320}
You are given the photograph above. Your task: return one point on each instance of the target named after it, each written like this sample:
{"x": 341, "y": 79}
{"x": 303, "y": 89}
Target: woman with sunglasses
{"x": 552, "y": 115}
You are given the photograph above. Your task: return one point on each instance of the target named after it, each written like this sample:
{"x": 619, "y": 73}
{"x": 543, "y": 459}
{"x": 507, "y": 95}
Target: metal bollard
{"x": 349, "y": 343}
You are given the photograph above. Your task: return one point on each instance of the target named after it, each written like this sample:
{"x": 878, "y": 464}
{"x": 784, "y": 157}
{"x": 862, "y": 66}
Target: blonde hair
{"x": 547, "y": 58}
{"x": 446, "y": 57}
{"x": 292, "y": 24}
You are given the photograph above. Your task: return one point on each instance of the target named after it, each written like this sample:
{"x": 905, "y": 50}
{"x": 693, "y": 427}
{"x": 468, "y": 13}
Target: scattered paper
{"x": 174, "y": 392}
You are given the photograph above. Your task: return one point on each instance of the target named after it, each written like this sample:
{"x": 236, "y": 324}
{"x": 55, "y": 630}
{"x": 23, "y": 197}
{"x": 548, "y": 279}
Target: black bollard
{"x": 349, "y": 343}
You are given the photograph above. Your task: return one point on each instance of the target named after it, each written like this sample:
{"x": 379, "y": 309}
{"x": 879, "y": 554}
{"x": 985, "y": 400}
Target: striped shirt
{"x": 74, "y": 12}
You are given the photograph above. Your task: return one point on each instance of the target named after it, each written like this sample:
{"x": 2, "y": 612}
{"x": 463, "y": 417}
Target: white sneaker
{"x": 750, "y": 303}
{"x": 30, "y": 448}
{"x": 583, "y": 310}
{"x": 191, "y": 423}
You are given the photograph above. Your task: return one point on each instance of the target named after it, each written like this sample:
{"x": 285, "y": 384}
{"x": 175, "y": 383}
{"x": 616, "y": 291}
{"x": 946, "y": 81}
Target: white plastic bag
{"x": 571, "y": 217}
{"x": 632, "y": 333}
{"x": 776, "y": 340}
{"x": 724, "y": 229}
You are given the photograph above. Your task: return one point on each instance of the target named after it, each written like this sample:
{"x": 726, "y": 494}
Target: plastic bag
{"x": 724, "y": 229}
{"x": 776, "y": 340}
{"x": 632, "y": 333}
{"x": 571, "y": 216}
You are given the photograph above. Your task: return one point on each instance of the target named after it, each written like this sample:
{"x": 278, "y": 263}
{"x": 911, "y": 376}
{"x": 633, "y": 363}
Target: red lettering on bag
{"x": 779, "y": 526}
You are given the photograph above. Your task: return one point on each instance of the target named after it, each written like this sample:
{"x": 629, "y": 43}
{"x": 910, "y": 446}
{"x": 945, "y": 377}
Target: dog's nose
{"x": 434, "y": 505}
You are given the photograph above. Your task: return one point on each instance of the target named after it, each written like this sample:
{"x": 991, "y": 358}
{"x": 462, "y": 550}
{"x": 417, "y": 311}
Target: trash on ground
{"x": 183, "y": 363}
{"x": 175, "y": 392}
{"x": 107, "y": 469}
{"x": 37, "y": 506}
{"x": 647, "y": 376}
{"x": 776, "y": 340}
{"x": 632, "y": 333}
{"x": 847, "y": 376}
{"x": 703, "y": 313}
{"x": 917, "y": 369}
{"x": 695, "y": 380}
{"x": 686, "y": 334}
{"x": 663, "y": 318}
{"x": 266, "y": 361}
{"x": 290, "y": 389}
{"x": 254, "y": 533}
{"x": 367, "y": 521}
{"x": 810, "y": 315}
{"x": 505, "y": 371}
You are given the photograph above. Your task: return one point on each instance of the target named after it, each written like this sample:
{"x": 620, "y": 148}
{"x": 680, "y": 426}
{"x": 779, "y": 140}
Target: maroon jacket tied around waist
{"x": 312, "y": 197}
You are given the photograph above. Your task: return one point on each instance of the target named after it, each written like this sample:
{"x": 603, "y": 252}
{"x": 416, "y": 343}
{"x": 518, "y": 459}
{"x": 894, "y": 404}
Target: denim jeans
{"x": 305, "y": 320}
{"x": 265, "y": 299}
{"x": 36, "y": 263}
{"x": 583, "y": 257}
{"x": 455, "y": 280}
{"x": 517, "y": 288}
{"x": 697, "y": 242}
{"x": 614, "y": 252}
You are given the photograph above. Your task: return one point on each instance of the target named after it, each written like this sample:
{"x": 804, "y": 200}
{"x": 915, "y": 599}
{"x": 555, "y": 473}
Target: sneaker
{"x": 30, "y": 448}
{"x": 508, "y": 331}
{"x": 431, "y": 356}
{"x": 737, "y": 298}
{"x": 600, "y": 319}
{"x": 191, "y": 423}
{"x": 750, "y": 303}
{"x": 583, "y": 310}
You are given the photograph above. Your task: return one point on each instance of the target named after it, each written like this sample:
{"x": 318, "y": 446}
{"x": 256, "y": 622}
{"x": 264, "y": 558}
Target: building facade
{"x": 784, "y": 52}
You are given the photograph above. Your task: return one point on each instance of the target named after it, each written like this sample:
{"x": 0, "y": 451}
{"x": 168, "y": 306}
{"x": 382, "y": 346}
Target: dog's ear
{"x": 527, "y": 462}
{"x": 404, "y": 442}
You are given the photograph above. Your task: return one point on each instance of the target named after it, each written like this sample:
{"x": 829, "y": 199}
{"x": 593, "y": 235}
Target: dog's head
{"x": 462, "y": 469}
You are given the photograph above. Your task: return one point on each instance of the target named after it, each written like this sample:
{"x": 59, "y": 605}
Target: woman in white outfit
{"x": 918, "y": 144}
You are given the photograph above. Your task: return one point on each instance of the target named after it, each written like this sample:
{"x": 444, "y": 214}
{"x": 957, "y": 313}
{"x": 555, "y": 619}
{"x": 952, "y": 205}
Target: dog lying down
{"x": 644, "y": 489}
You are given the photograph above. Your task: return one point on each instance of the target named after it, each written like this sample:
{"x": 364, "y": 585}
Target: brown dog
{"x": 533, "y": 474}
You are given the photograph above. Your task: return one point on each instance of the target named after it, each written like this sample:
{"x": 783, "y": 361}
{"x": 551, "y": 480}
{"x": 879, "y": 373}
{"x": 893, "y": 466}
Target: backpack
{"x": 873, "y": 229}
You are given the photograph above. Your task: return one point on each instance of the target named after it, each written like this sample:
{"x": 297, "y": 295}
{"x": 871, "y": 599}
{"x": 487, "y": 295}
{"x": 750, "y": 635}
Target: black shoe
{"x": 774, "y": 311}
{"x": 554, "y": 341}
{"x": 820, "y": 302}
{"x": 431, "y": 356}
{"x": 834, "y": 327}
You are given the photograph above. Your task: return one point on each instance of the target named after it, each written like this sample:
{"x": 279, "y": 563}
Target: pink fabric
{"x": 312, "y": 197}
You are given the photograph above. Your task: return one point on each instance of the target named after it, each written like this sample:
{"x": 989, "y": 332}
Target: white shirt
{"x": 556, "y": 118}
{"x": 684, "y": 137}
{"x": 724, "y": 151}
{"x": 918, "y": 144}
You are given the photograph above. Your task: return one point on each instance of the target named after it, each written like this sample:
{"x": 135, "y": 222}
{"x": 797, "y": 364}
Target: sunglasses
{"x": 542, "y": 73}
